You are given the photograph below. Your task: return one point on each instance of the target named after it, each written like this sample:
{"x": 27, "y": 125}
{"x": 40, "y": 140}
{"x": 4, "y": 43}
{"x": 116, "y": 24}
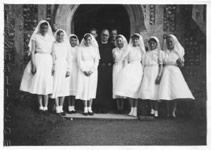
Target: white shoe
{"x": 41, "y": 108}
{"x": 156, "y": 113}
{"x": 152, "y": 112}
{"x": 131, "y": 112}
{"x": 134, "y": 112}
{"x": 58, "y": 110}
{"x": 173, "y": 115}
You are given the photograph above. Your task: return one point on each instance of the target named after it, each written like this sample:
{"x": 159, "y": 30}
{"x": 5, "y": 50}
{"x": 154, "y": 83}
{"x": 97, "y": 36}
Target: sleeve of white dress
{"x": 96, "y": 61}
{"x": 69, "y": 58}
{"x": 80, "y": 62}
{"x": 53, "y": 56}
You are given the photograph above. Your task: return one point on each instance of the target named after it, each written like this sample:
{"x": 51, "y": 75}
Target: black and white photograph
{"x": 105, "y": 74}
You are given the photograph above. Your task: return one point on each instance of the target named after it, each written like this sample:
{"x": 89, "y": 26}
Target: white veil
{"x": 157, "y": 48}
{"x": 125, "y": 44}
{"x": 94, "y": 44}
{"x": 66, "y": 40}
{"x": 37, "y": 30}
{"x": 178, "y": 48}
{"x": 71, "y": 35}
{"x": 140, "y": 43}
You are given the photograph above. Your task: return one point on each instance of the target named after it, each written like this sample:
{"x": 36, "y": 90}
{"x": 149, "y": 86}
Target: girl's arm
{"x": 53, "y": 58}
{"x": 33, "y": 46}
{"x": 80, "y": 62}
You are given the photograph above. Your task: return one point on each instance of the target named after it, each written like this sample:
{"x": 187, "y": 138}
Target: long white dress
{"x": 119, "y": 57}
{"x": 149, "y": 90}
{"x": 61, "y": 60}
{"x": 88, "y": 60}
{"x": 129, "y": 79}
{"x": 74, "y": 71}
{"x": 41, "y": 82}
{"x": 173, "y": 85}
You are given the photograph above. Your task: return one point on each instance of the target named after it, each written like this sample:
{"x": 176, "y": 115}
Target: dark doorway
{"x": 99, "y": 17}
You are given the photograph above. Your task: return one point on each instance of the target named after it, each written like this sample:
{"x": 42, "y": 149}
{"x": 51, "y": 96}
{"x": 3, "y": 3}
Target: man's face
{"x": 105, "y": 36}
{"x": 114, "y": 34}
{"x": 94, "y": 33}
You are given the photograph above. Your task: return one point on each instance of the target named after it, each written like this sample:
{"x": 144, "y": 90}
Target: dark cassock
{"x": 104, "y": 102}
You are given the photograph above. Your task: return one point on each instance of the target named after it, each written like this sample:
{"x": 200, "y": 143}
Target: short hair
{"x": 152, "y": 39}
{"x": 93, "y": 29}
{"x": 59, "y": 32}
{"x": 44, "y": 24}
{"x": 118, "y": 36}
{"x": 114, "y": 29}
{"x": 135, "y": 36}
{"x": 86, "y": 36}
{"x": 105, "y": 30}
{"x": 73, "y": 37}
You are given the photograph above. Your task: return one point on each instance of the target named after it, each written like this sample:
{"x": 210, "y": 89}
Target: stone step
{"x": 101, "y": 116}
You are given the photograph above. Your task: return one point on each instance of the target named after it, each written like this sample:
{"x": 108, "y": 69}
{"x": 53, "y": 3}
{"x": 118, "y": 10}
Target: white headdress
{"x": 158, "y": 47}
{"x": 94, "y": 44}
{"x": 37, "y": 30}
{"x": 140, "y": 43}
{"x": 73, "y": 35}
{"x": 157, "y": 41}
{"x": 66, "y": 40}
{"x": 93, "y": 41}
{"x": 178, "y": 48}
{"x": 125, "y": 44}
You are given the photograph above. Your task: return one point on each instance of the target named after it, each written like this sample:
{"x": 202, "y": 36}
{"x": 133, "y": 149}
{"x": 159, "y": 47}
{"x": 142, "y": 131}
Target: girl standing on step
{"x": 37, "y": 78}
{"x": 119, "y": 54}
{"x": 129, "y": 79}
{"x": 88, "y": 59}
{"x": 61, "y": 69}
{"x": 74, "y": 42}
{"x": 153, "y": 66}
{"x": 173, "y": 85}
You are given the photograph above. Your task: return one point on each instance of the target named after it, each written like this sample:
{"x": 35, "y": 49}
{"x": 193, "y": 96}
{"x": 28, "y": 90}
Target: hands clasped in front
{"x": 87, "y": 73}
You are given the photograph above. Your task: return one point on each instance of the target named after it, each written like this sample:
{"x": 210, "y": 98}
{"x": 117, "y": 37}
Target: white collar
{"x": 104, "y": 42}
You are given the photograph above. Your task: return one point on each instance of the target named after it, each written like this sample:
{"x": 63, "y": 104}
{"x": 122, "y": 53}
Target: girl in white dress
{"x": 61, "y": 69}
{"x": 119, "y": 54}
{"x": 153, "y": 66}
{"x": 173, "y": 85}
{"x": 37, "y": 77}
{"x": 129, "y": 80}
{"x": 88, "y": 60}
{"x": 74, "y": 42}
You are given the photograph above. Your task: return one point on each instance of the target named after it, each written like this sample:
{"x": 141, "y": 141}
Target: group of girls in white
{"x": 61, "y": 67}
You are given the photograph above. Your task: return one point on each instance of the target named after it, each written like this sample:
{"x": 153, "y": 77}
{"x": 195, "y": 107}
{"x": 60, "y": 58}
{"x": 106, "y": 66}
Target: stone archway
{"x": 64, "y": 17}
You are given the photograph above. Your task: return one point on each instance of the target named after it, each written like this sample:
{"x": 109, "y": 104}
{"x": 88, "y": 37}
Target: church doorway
{"x": 100, "y": 17}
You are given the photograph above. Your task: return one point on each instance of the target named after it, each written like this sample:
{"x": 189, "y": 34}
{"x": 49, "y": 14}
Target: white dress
{"x": 74, "y": 71}
{"x": 88, "y": 60}
{"x": 61, "y": 61}
{"x": 41, "y": 82}
{"x": 173, "y": 85}
{"x": 119, "y": 57}
{"x": 149, "y": 90}
{"x": 129, "y": 79}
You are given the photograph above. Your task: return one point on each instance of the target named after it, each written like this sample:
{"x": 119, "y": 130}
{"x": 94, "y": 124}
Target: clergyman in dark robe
{"x": 104, "y": 102}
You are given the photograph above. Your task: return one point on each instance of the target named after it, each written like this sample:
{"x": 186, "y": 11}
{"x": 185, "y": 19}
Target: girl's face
{"x": 43, "y": 29}
{"x": 120, "y": 42}
{"x": 73, "y": 42}
{"x": 135, "y": 41}
{"x": 170, "y": 43}
{"x": 60, "y": 37}
{"x": 88, "y": 41}
{"x": 152, "y": 44}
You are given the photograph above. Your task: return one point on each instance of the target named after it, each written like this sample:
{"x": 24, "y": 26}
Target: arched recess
{"x": 64, "y": 17}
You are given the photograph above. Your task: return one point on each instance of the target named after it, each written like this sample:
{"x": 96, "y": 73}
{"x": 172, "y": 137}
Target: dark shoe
{"x": 85, "y": 114}
{"x": 91, "y": 113}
